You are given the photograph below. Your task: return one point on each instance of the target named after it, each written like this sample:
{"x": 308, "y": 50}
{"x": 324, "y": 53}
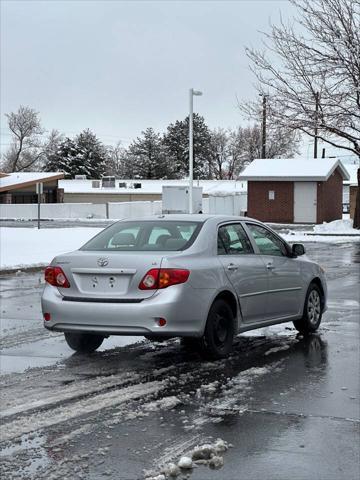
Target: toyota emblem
{"x": 103, "y": 261}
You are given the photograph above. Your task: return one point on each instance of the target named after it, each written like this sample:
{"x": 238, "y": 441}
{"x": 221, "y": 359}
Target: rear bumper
{"x": 184, "y": 308}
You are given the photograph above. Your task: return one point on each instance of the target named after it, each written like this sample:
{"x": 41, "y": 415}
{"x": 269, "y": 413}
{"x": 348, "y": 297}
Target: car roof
{"x": 196, "y": 217}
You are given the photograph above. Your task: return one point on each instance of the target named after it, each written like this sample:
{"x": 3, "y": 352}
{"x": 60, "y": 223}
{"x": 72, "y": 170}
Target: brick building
{"x": 295, "y": 190}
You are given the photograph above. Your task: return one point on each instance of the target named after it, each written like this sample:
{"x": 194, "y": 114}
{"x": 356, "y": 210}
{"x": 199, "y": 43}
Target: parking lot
{"x": 286, "y": 406}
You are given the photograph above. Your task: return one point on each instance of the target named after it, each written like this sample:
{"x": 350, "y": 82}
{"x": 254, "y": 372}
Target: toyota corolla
{"x": 199, "y": 277}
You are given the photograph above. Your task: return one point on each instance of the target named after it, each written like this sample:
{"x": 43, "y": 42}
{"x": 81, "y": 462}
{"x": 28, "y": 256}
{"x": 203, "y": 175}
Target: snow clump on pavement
{"x": 185, "y": 463}
{"x": 165, "y": 403}
{"x": 209, "y": 454}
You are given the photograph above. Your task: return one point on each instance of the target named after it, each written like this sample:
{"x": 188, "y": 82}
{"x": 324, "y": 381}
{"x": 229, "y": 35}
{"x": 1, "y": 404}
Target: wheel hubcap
{"x": 314, "y": 307}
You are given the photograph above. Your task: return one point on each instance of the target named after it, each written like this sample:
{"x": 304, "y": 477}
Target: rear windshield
{"x": 145, "y": 236}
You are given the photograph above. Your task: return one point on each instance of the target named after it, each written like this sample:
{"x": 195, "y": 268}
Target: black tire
{"x": 218, "y": 338}
{"x": 312, "y": 314}
{"x": 83, "y": 342}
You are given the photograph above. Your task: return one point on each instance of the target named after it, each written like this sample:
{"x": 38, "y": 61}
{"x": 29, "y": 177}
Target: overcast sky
{"x": 118, "y": 67}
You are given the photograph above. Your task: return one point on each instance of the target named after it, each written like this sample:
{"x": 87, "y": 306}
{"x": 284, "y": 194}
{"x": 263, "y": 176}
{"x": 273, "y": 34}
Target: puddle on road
{"x": 48, "y": 352}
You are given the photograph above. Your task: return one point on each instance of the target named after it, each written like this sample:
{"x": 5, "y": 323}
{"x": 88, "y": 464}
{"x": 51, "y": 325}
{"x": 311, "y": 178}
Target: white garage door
{"x": 305, "y": 196}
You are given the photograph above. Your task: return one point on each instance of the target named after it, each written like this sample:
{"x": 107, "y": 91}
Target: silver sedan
{"x": 200, "y": 277}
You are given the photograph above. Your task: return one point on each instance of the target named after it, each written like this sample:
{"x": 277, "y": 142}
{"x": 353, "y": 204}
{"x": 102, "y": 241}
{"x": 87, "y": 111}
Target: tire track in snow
{"x": 41, "y": 420}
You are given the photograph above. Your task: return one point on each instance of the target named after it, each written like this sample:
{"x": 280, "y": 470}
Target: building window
{"x": 271, "y": 195}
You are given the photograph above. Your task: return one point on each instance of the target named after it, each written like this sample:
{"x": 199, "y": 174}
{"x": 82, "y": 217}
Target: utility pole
{"x": 263, "y": 135}
{"x": 316, "y": 124}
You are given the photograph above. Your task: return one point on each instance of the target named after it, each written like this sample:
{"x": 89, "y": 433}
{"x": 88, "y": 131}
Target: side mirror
{"x": 298, "y": 249}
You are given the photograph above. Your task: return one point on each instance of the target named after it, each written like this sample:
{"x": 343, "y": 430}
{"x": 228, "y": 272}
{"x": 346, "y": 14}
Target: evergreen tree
{"x": 92, "y": 154}
{"x": 84, "y": 155}
{"x": 176, "y": 141}
{"x": 147, "y": 156}
{"x": 59, "y": 160}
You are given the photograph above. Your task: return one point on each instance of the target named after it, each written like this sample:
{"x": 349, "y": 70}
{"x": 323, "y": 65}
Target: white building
{"x": 98, "y": 191}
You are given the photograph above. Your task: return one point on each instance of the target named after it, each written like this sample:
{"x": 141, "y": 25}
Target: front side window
{"x": 267, "y": 243}
{"x": 232, "y": 240}
{"x": 145, "y": 236}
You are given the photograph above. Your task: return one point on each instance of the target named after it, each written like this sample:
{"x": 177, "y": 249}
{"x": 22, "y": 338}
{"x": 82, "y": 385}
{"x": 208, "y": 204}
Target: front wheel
{"x": 218, "y": 338}
{"x": 311, "y": 318}
{"x": 83, "y": 342}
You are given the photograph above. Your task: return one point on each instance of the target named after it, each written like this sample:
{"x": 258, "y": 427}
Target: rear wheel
{"x": 311, "y": 318}
{"x": 218, "y": 338}
{"x": 83, "y": 342}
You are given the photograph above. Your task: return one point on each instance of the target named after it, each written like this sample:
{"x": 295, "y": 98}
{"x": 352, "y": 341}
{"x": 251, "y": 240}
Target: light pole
{"x": 192, "y": 93}
{"x": 263, "y": 135}
{"x": 316, "y": 131}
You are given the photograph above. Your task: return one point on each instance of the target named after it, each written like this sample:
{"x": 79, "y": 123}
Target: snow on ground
{"x": 337, "y": 226}
{"x": 302, "y": 237}
{"x": 341, "y": 229}
{"x": 20, "y": 247}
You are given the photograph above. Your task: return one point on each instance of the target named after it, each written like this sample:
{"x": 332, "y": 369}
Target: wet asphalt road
{"x": 288, "y": 405}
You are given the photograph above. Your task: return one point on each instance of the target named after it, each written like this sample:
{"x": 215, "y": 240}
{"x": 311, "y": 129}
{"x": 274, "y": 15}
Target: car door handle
{"x": 232, "y": 266}
{"x": 270, "y": 266}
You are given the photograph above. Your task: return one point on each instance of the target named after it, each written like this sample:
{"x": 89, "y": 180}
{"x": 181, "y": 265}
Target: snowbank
{"x": 303, "y": 237}
{"x": 337, "y": 226}
{"x": 342, "y": 230}
{"x": 20, "y": 247}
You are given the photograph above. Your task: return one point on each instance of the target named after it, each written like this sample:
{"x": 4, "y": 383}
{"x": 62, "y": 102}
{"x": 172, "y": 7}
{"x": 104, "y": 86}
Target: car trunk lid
{"x": 108, "y": 275}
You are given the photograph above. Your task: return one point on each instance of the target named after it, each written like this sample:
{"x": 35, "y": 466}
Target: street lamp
{"x": 192, "y": 93}
{"x": 263, "y": 125}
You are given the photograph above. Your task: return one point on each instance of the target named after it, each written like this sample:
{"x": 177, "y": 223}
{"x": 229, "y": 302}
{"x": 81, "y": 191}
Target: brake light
{"x": 56, "y": 277}
{"x": 163, "y": 278}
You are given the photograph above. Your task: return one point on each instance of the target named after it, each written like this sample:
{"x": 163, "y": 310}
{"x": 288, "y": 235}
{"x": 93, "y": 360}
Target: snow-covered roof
{"x": 12, "y": 181}
{"x": 293, "y": 169}
{"x": 210, "y": 187}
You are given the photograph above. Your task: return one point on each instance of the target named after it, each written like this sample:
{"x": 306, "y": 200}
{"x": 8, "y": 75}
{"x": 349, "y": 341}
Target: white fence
{"x": 226, "y": 205}
{"x": 53, "y": 210}
{"x": 79, "y": 210}
{"x": 229, "y": 205}
{"x": 133, "y": 209}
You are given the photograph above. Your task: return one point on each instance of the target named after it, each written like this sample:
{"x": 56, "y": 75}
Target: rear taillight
{"x": 163, "y": 277}
{"x": 56, "y": 277}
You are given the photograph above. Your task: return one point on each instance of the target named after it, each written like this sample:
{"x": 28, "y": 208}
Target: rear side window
{"x": 232, "y": 240}
{"x": 267, "y": 243}
{"x": 145, "y": 236}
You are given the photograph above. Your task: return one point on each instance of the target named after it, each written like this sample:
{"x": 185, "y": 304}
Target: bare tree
{"x": 311, "y": 70}
{"x": 25, "y": 150}
{"x": 52, "y": 143}
{"x": 232, "y": 150}
{"x": 116, "y": 164}
{"x": 220, "y": 151}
